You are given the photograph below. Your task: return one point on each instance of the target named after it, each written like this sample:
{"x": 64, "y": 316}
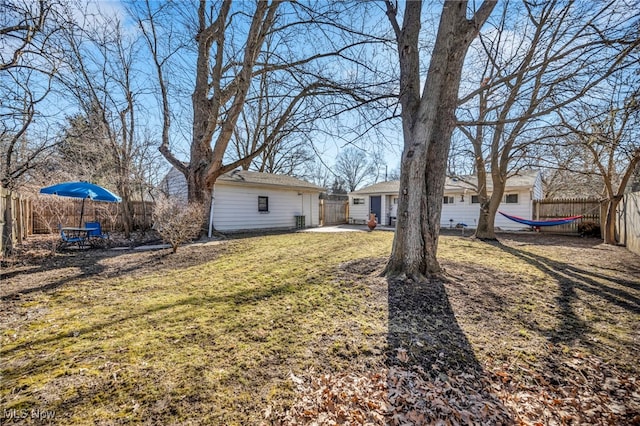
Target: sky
{"x": 333, "y": 134}
{"x": 386, "y": 139}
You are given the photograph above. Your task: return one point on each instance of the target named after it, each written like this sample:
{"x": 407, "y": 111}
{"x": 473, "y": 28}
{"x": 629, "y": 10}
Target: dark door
{"x": 375, "y": 206}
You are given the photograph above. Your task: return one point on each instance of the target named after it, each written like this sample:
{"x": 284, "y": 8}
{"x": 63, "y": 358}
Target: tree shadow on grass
{"x": 100, "y": 385}
{"x": 240, "y": 298}
{"x": 64, "y": 269}
{"x": 578, "y": 376}
{"x": 571, "y": 279}
{"x": 433, "y": 371}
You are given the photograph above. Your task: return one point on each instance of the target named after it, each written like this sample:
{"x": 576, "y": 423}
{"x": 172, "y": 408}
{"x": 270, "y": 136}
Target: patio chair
{"x": 95, "y": 233}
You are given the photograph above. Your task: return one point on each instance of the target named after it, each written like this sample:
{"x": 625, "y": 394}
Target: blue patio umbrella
{"x": 82, "y": 190}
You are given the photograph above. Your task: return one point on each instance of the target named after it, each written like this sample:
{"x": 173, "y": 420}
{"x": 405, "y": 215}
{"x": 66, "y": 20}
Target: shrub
{"x": 589, "y": 228}
{"x": 176, "y": 221}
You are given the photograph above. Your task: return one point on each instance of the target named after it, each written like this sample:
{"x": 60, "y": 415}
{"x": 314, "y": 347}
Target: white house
{"x": 245, "y": 200}
{"x": 460, "y": 201}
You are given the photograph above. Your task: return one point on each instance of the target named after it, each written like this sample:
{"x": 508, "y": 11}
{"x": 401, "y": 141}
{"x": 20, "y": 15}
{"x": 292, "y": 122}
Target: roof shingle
{"x": 266, "y": 179}
{"x": 524, "y": 180}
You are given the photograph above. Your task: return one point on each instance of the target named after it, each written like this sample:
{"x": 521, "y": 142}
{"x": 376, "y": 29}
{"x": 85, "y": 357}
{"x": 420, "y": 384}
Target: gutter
{"x": 213, "y": 198}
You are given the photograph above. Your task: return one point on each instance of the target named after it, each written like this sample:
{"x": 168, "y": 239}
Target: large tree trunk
{"x": 609, "y": 231}
{"x": 486, "y": 229}
{"x": 428, "y": 122}
{"x": 488, "y": 208}
{"x": 209, "y": 99}
{"x": 201, "y": 192}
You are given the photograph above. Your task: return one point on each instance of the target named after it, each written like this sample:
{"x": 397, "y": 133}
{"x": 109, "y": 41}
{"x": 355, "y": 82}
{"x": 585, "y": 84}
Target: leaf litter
{"x": 501, "y": 375}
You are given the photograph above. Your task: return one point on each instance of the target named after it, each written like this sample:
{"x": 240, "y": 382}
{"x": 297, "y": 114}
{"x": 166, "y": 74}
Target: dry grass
{"x": 220, "y": 334}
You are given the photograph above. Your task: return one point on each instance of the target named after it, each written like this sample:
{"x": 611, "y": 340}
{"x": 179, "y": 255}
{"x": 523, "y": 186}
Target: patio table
{"x": 71, "y": 235}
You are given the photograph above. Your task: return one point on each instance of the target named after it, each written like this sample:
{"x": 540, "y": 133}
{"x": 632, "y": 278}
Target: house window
{"x": 263, "y": 204}
{"x": 475, "y": 199}
{"x": 447, "y": 200}
{"x": 395, "y": 200}
{"x": 511, "y": 198}
{"x": 358, "y": 201}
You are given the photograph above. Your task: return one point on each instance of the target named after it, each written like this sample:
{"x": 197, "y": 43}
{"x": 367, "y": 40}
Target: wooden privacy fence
{"x": 333, "y": 212}
{"x": 589, "y": 208}
{"x": 628, "y": 222}
{"x": 20, "y": 208}
{"x": 50, "y": 211}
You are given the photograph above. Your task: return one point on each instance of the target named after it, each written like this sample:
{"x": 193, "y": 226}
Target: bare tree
{"x": 353, "y": 167}
{"x": 28, "y": 61}
{"x": 318, "y": 173}
{"x": 285, "y": 151}
{"x": 610, "y": 135}
{"x": 108, "y": 82}
{"x": 428, "y": 120}
{"x": 21, "y": 25}
{"x": 240, "y": 45}
{"x": 532, "y": 68}
{"x": 379, "y": 167}
{"x": 569, "y": 171}
{"x": 288, "y": 153}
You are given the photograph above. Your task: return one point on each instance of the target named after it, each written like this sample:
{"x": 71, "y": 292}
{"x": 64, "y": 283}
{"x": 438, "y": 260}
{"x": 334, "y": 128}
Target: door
{"x": 375, "y": 206}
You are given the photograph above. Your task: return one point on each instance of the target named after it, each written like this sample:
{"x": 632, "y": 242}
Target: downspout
{"x": 213, "y": 197}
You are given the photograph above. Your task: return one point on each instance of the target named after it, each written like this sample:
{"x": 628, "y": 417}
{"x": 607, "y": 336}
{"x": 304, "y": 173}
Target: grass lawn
{"x": 284, "y": 329}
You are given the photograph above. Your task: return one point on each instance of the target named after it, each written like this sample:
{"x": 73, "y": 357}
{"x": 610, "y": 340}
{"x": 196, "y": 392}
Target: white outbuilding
{"x": 250, "y": 201}
{"x": 460, "y": 201}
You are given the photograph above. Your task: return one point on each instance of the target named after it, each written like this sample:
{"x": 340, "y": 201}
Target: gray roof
{"x": 390, "y": 187}
{"x": 461, "y": 183}
{"x": 266, "y": 179}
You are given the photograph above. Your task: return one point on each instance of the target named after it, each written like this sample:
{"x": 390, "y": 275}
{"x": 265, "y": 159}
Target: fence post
{"x": 603, "y": 216}
{"x": 346, "y": 211}
{"x": 3, "y": 206}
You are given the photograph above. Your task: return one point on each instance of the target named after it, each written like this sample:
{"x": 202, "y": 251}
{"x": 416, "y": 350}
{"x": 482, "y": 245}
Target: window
{"x": 475, "y": 199}
{"x": 395, "y": 200}
{"x": 358, "y": 201}
{"x": 511, "y": 198}
{"x": 447, "y": 200}
{"x": 263, "y": 204}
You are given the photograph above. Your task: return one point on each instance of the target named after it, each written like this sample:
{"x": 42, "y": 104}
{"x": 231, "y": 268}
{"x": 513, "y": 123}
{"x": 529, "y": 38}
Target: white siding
{"x": 174, "y": 185}
{"x": 538, "y": 192}
{"x": 384, "y": 220}
{"x": 628, "y": 221}
{"x": 452, "y": 214}
{"x": 461, "y": 210}
{"x": 311, "y": 209}
{"x": 391, "y": 208}
{"x": 359, "y": 213}
{"x": 235, "y": 208}
{"x": 467, "y": 213}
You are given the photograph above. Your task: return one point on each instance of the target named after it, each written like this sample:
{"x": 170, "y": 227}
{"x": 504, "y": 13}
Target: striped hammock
{"x": 538, "y": 223}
